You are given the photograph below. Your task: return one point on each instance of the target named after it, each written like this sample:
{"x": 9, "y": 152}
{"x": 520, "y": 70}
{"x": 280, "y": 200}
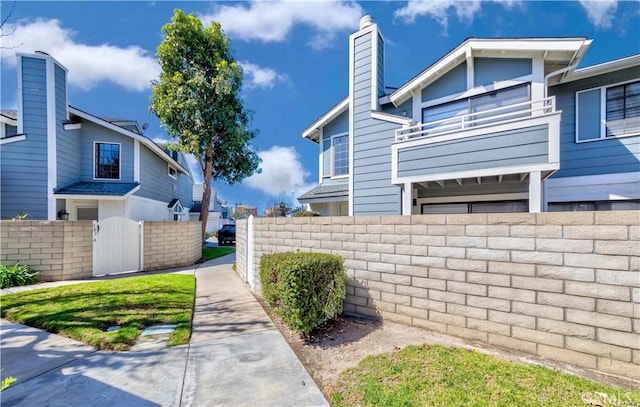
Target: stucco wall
{"x": 563, "y": 286}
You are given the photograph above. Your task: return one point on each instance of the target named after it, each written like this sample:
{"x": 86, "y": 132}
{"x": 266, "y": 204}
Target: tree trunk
{"x": 206, "y": 193}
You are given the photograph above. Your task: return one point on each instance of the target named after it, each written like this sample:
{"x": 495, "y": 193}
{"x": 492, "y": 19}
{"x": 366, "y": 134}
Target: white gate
{"x": 249, "y": 254}
{"x": 117, "y": 246}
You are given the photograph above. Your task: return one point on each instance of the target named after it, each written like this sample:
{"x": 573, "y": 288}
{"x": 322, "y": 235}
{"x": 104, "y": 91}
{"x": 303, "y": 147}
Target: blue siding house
{"x": 496, "y": 125}
{"x": 57, "y": 161}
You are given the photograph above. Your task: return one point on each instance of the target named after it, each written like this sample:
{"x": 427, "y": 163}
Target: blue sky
{"x": 295, "y": 57}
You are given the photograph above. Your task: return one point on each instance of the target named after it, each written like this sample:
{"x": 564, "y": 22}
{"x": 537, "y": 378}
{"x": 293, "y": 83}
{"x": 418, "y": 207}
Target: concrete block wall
{"x": 58, "y": 250}
{"x": 564, "y": 286}
{"x": 171, "y": 244}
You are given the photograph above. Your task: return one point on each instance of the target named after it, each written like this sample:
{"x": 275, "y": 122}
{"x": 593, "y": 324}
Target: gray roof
{"x": 326, "y": 193}
{"x": 11, "y": 114}
{"x": 98, "y": 188}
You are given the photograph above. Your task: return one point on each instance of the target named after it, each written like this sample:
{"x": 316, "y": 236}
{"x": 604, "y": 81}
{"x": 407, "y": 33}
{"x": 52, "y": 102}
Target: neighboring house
{"x": 57, "y": 161}
{"x": 245, "y": 211}
{"x": 218, "y": 213}
{"x": 496, "y": 125}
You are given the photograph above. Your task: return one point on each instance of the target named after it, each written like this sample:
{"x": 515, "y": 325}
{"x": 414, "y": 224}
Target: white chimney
{"x": 366, "y": 21}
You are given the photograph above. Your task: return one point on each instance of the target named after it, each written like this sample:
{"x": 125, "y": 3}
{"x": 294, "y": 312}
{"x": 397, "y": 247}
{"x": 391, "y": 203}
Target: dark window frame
{"x": 103, "y": 152}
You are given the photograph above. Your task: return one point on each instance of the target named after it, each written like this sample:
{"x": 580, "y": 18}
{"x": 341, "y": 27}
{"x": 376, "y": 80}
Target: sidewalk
{"x": 236, "y": 357}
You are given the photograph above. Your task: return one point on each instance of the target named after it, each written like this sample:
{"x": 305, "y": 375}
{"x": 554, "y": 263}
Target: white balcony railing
{"x": 476, "y": 120}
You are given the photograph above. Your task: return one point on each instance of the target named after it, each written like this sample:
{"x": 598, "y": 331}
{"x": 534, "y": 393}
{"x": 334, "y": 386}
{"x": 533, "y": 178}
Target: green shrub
{"x": 305, "y": 214}
{"x": 304, "y": 289}
{"x": 19, "y": 274}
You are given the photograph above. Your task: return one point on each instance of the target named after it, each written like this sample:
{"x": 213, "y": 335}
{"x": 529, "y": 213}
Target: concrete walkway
{"x": 236, "y": 357}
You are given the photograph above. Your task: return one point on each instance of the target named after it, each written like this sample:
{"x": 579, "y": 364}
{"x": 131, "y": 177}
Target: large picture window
{"x": 340, "y": 155}
{"x": 107, "y": 161}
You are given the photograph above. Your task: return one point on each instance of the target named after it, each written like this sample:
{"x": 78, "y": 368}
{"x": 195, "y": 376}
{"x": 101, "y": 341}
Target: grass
{"x": 441, "y": 376}
{"x": 85, "y": 311}
{"x": 210, "y": 253}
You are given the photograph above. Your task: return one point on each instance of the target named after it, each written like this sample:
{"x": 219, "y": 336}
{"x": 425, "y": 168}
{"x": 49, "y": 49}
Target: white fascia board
{"x": 312, "y": 130}
{"x": 72, "y": 126}
{"x": 388, "y": 117}
{"x": 527, "y": 45}
{"x": 487, "y": 172}
{"x": 152, "y": 146}
{"x": 403, "y": 93}
{"x": 9, "y": 121}
{"x": 603, "y": 68}
{"x": 12, "y": 139}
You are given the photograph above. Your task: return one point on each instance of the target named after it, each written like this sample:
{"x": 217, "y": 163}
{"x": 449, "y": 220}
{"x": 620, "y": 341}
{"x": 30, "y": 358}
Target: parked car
{"x": 227, "y": 235}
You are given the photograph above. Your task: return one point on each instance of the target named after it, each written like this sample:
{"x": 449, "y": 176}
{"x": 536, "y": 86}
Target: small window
{"x": 340, "y": 155}
{"x": 173, "y": 173}
{"x": 107, "y": 161}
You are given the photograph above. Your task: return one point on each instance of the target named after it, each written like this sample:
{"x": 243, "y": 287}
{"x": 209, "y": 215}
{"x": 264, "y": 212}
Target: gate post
{"x": 250, "y": 274}
{"x": 141, "y": 244}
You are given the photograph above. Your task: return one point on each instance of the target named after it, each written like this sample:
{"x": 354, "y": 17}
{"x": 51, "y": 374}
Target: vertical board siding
{"x": 454, "y": 81}
{"x": 609, "y": 156}
{"x": 23, "y": 164}
{"x": 373, "y": 192}
{"x": 68, "y": 143}
{"x": 487, "y": 71}
{"x": 94, "y": 133}
{"x": 514, "y": 147}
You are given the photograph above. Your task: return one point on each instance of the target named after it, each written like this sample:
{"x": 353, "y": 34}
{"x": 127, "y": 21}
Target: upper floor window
{"x": 604, "y": 112}
{"x": 340, "y": 155}
{"x": 107, "y": 160}
{"x": 482, "y": 105}
{"x": 173, "y": 173}
{"x": 623, "y": 109}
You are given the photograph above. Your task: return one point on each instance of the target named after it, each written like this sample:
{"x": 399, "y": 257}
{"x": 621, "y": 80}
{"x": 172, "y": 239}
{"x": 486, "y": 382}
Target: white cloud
{"x": 439, "y": 10}
{"x": 261, "y": 77}
{"x": 600, "y": 13}
{"x": 273, "y": 21}
{"x": 282, "y": 176}
{"x": 130, "y": 67}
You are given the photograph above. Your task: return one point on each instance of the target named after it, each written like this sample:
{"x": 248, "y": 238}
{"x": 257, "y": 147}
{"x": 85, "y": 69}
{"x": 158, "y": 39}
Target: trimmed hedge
{"x": 304, "y": 289}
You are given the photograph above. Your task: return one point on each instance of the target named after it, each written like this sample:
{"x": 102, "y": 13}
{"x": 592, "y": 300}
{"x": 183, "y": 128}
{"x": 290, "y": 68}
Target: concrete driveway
{"x": 236, "y": 357}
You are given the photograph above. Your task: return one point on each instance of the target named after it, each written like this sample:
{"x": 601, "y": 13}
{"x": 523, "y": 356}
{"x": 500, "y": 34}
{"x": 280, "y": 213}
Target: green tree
{"x": 197, "y": 100}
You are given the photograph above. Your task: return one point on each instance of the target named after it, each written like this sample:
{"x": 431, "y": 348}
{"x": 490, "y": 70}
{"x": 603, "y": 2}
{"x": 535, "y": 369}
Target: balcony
{"x": 513, "y": 139}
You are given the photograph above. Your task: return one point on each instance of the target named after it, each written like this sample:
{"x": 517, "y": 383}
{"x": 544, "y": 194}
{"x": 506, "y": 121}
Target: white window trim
{"x": 119, "y": 161}
{"x": 603, "y": 113}
{"x": 12, "y": 139}
{"x": 169, "y": 168}
{"x": 332, "y": 163}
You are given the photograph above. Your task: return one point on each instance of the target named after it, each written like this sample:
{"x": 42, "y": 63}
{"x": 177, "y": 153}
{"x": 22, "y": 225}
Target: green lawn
{"x": 210, "y": 253}
{"x": 441, "y": 376}
{"x": 85, "y": 311}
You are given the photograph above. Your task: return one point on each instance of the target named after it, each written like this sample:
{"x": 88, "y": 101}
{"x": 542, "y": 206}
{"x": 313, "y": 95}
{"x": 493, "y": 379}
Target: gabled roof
{"x": 102, "y": 189}
{"x": 144, "y": 140}
{"x": 566, "y": 51}
{"x": 313, "y": 131}
{"x": 605, "y": 67}
{"x": 326, "y": 193}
